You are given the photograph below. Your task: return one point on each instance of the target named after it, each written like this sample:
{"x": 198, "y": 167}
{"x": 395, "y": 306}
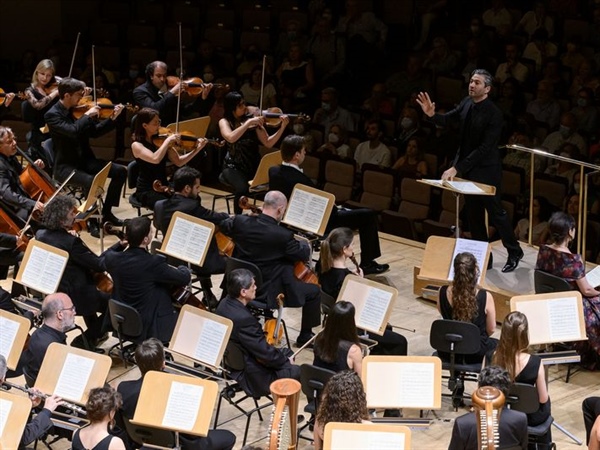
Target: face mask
{"x": 582, "y": 102}
{"x": 133, "y": 73}
{"x": 576, "y": 187}
{"x": 333, "y": 138}
{"x": 564, "y": 131}
{"x": 299, "y": 129}
{"x": 326, "y": 106}
{"x": 406, "y": 123}
{"x": 208, "y": 77}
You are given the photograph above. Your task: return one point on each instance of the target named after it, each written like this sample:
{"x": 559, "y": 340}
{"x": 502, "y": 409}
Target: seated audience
{"x": 251, "y": 90}
{"x": 330, "y": 112}
{"x": 567, "y": 132}
{"x": 539, "y": 48}
{"x": 586, "y": 113}
{"x": 535, "y": 19}
{"x": 372, "y": 151}
{"x": 296, "y": 79}
{"x": 441, "y": 59}
{"x": 544, "y": 108}
{"x": 379, "y": 103}
{"x": 540, "y": 216}
{"x": 335, "y": 142}
{"x": 412, "y": 164}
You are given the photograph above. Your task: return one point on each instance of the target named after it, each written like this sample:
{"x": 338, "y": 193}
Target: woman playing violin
{"x": 152, "y": 158}
{"x": 243, "y": 136}
{"x": 40, "y": 96}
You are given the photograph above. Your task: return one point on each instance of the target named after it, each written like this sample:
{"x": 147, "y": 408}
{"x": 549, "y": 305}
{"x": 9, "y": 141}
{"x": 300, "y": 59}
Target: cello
{"x": 35, "y": 180}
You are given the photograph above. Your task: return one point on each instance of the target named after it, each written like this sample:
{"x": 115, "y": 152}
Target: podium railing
{"x": 582, "y": 216}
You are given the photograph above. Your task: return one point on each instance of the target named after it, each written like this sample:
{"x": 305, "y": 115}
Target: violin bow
{"x": 26, "y": 226}
{"x": 262, "y": 85}
{"x": 74, "y": 52}
{"x": 94, "y": 76}
{"x": 180, "y": 79}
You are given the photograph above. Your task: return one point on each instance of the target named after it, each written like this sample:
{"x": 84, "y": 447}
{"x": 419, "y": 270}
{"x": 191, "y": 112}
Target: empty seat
{"x": 378, "y": 187}
{"x": 415, "y": 200}
{"x": 339, "y": 179}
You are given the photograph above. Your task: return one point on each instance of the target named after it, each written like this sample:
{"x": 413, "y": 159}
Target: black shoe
{"x": 490, "y": 262}
{"x": 93, "y": 228}
{"x": 110, "y": 217}
{"x": 374, "y": 268}
{"x": 210, "y": 301}
{"x": 513, "y": 261}
{"x": 303, "y": 338}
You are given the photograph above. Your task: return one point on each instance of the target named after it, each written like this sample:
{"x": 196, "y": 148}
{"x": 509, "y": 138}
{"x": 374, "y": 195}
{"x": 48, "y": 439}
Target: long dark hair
{"x": 144, "y": 115}
{"x": 333, "y": 246}
{"x": 559, "y": 225}
{"x": 340, "y": 326}
{"x": 464, "y": 287}
{"x": 230, "y": 103}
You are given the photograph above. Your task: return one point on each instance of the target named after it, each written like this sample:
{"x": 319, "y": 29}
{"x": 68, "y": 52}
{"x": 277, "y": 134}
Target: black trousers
{"x": 365, "y": 221}
{"x": 591, "y": 410}
{"x": 239, "y": 181}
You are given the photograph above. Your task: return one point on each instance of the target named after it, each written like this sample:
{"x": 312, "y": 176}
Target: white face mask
{"x": 299, "y": 128}
{"x": 333, "y": 138}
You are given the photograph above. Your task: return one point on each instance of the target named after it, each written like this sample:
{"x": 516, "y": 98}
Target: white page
{"x": 400, "y": 385}
{"x": 563, "y": 318}
{"x": 366, "y": 440}
{"x": 188, "y": 240}
{"x": 374, "y": 310}
{"x": 593, "y": 277}
{"x": 439, "y": 183}
{"x": 8, "y": 333}
{"x": 306, "y": 210}
{"x": 5, "y": 407}
{"x": 478, "y": 249}
{"x": 182, "y": 406}
{"x": 210, "y": 342}
{"x": 43, "y": 270}
{"x": 74, "y": 377}
{"x": 466, "y": 187}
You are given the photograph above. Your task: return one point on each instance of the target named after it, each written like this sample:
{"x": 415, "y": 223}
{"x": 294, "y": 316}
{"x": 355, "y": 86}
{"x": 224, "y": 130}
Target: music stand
{"x": 397, "y": 382}
{"x": 198, "y": 126}
{"x": 42, "y": 267}
{"x": 309, "y": 209}
{"x": 14, "y": 413}
{"x": 187, "y": 402}
{"x": 201, "y": 336}
{"x": 260, "y": 182}
{"x": 460, "y": 187}
{"x": 71, "y": 372}
{"x": 365, "y": 436}
{"x": 373, "y": 302}
{"x": 93, "y": 205}
{"x": 187, "y": 238}
{"x": 15, "y": 330}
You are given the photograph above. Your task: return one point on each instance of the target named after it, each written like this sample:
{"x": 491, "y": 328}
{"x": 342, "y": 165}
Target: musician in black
{"x": 145, "y": 281}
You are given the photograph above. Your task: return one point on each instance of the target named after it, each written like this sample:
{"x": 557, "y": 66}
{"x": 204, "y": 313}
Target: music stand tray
{"x": 260, "y": 182}
{"x": 14, "y": 412}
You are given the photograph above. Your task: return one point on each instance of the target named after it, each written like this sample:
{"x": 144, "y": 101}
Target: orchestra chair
{"x": 233, "y": 359}
{"x": 127, "y": 323}
{"x": 524, "y": 397}
{"x": 453, "y": 339}
{"x": 378, "y": 188}
{"x": 133, "y": 171}
{"x": 327, "y": 302}
{"x": 414, "y": 208}
{"x": 143, "y": 436}
{"x": 313, "y": 380}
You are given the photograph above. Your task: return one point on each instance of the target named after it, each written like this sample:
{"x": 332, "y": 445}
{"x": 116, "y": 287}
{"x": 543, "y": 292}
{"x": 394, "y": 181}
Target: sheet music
{"x": 188, "y": 240}
{"x": 43, "y": 270}
{"x": 366, "y": 440}
{"x": 593, "y": 277}
{"x": 74, "y": 377}
{"x": 479, "y": 249}
{"x": 411, "y": 385}
{"x": 210, "y": 342}
{"x": 306, "y": 210}
{"x": 563, "y": 318}
{"x": 182, "y": 406}
{"x": 5, "y": 407}
{"x": 466, "y": 187}
{"x": 374, "y": 309}
{"x": 9, "y": 330}
{"x": 438, "y": 183}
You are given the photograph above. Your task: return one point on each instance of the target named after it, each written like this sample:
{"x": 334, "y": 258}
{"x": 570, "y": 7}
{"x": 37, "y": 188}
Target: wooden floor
{"x": 409, "y": 312}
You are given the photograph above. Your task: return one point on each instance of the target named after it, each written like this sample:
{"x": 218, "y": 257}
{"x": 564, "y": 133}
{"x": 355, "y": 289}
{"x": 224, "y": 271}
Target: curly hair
{"x": 514, "y": 339}
{"x": 101, "y": 402}
{"x": 55, "y": 212}
{"x": 344, "y": 400}
{"x": 464, "y": 287}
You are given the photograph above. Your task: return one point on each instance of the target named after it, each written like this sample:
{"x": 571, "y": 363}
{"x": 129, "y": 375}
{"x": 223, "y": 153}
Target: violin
{"x": 193, "y": 86}
{"x": 273, "y": 116}
{"x": 273, "y": 328}
{"x": 244, "y": 203}
{"x": 106, "y": 107}
{"x": 187, "y": 140}
{"x": 183, "y": 296}
{"x": 5, "y": 95}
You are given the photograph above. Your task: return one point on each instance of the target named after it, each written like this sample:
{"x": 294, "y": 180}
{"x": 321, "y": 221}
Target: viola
{"x": 273, "y": 116}
{"x": 104, "y": 282}
{"x": 273, "y": 328}
{"x": 244, "y": 203}
{"x": 106, "y": 107}
{"x": 193, "y": 86}
{"x": 186, "y": 142}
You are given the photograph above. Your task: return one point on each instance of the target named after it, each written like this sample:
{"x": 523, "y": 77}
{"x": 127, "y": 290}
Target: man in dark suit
{"x": 264, "y": 363}
{"x": 186, "y": 186}
{"x": 283, "y": 178}
{"x": 512, "y": 429}
{"x": 155, "y": 94}
{"x": 78, "y": 278}
{"x": 145, "y": 281}
{"x": 150, "y": 355}
{"x": 71, "y": 140}
{"x": 260, "y": 240}
{"x": 9, "y": 252}
{"x": 478, "y": 160}
{"x": 14, "y": 198}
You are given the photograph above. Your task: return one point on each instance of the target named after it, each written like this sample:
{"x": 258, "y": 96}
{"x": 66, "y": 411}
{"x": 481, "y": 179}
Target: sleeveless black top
{"x": 102, "y": 445}
{"x": 149, "y": 172}
{"x": 243, "y": 154}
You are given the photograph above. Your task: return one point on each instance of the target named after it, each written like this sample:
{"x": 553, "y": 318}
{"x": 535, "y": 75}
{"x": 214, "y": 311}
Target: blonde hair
{"x": 44, "y": 64}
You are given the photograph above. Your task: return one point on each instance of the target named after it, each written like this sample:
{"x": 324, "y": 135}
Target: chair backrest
{"x": 415, "y": 199}
{"x": 339, "y": 179}
{"x": 125, "y": 319}
{"x": 146, "y": 435}
{"x": 235, "y": 263}
{"x": 312, "y": 167}
{"x": 554, "y": 188}
{"x": 313, "y": 380}
{"x": 523, "y": 397}
{"x": 513, "y": 180}
{"x": 133, "y": 171}
{"x": 546, "y": 282}
{"x": 233, "y": 358}
{"x": 327, "y": 302}
{"x": 454, "y": 336}
{"x": 379, "y": 186}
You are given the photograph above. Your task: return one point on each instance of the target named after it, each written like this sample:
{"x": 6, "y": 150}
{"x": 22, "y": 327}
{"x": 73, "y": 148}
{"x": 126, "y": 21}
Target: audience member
{"x": 412, "y": 164}
{"x": 566, "y": 133}
{"x": 535, "y": 19}
{"x": 586, "y": 113}
{"x": 498, "y": 17}
{"x": 584, "y": 76}
{"x": 412, "y": 79}
{"x": 373, "y": 151}
{"x": 572, "y": 57}
{"x": 512, "y": 68}
{"x": 330, "y": 112}
{"x": 251, "y": 90}
{"x": 511, "y": 102}
{"x": 516, "y": 158}
{"x": 296, "y": 79}
{"x": 539, "y": 48}
{"x": 441, "y": 59}
{"x": 379, "y": 103}
{"x": 544, "y": 108}
{"x": 540, "y": 216}
{"x": 328, "y": 52}
{"x": 335, "y": 142}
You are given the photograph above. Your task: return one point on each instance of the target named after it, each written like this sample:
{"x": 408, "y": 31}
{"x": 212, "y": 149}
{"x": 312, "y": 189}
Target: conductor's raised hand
{"x": 426, "y": 104}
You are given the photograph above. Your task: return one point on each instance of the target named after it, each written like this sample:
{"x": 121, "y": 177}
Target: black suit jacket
{"x": 478, "y": 158}
{"x": 164, "y": 210}
{"x": 284, "y": 178}
{"x": 261, "y": 359}
{"x": 145, "y": 282}
{"x": 259, "y": 239}
{"x": 32, "y": 358}
{"x": 513, "y": 431}
{"x": 12, "y": 193}
{"x": 7, "y": 241}
{"x": 78, "y": 278}
{"x": 71, "y": 137}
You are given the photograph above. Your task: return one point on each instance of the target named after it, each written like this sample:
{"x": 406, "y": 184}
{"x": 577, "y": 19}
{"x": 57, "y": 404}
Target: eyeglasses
{"x": 72, "y": 309}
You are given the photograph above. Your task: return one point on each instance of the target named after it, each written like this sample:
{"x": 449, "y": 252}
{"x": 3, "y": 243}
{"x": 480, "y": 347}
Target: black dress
{"x": 341, "y": 361}
{"x": 487, "y": 344}
{"x": 529, "y": 376}
{"x": 104, "y": 444}
{"x": 147, "y": 174}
